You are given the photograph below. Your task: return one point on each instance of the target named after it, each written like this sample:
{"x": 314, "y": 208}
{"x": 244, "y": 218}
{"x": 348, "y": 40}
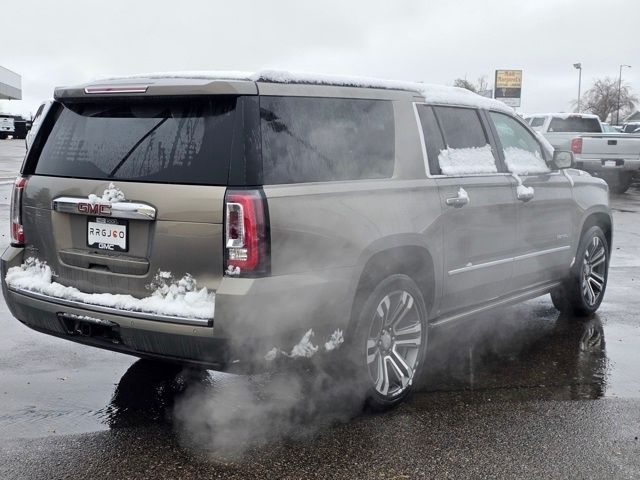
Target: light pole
{"x": 578, "y": 66}
{"x": 619, "y": 88}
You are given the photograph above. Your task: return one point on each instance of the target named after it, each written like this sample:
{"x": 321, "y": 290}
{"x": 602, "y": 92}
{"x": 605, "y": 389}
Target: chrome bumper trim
{"x": 82, "y": 206}
{"x": 200, "y": 322}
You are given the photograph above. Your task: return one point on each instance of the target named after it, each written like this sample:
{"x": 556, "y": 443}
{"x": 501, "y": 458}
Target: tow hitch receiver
{"x": 90, "y": 327}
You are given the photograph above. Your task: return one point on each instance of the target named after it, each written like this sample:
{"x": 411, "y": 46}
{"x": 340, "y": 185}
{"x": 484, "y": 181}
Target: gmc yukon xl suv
{"x": 218, "y": 219}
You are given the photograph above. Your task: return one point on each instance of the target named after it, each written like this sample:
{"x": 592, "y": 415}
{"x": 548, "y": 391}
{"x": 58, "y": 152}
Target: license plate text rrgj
{"x": 107, "y": 234}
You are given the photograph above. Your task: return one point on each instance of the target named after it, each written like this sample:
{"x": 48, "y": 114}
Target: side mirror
{"x": 562, "y": 159}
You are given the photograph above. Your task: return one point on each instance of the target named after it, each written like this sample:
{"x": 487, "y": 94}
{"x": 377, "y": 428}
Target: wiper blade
{"x": 133, "y": 149}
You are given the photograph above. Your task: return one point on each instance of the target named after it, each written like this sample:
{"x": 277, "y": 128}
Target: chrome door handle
{"x": 460, "y": 200}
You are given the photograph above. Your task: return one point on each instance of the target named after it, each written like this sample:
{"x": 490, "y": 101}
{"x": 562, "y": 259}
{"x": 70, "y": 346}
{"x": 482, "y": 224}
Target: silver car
{"x": 228, "y": 220}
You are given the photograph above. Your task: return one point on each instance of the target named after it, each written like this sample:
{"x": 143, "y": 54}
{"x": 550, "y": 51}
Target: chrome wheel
{"x": 394, "y": 343}
{"x": 594, "y": 267}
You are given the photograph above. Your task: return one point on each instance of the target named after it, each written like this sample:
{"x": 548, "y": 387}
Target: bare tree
{"x": 464, "y": 83}
{"x": 480, "y": 86}
{"x": 602, "y": 98}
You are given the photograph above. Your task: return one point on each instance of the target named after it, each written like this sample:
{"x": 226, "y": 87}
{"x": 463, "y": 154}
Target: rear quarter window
{"x": 326, "y": 139}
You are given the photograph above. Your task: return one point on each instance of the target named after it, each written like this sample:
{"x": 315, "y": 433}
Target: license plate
{"x": 610, "y": 163}
{"x": 107, "y": 234}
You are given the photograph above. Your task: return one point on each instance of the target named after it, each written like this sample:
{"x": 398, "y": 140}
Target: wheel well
{"x": 601, "y": 220}
{"x": 415, "y": 262}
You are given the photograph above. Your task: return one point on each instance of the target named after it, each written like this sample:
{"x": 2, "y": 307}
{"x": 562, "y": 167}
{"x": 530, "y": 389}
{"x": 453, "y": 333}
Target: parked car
{"x": 222, "y": 221}
{"x": 615, "y": 157}
{"x": 21, "y": 127}
{"x": 7, "y": 126}
{"x": 631, "y": 127}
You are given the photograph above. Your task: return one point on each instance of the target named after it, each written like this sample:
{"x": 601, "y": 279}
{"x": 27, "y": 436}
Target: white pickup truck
{"x": 615, "y": 157}
{"x": 7, "y": 126}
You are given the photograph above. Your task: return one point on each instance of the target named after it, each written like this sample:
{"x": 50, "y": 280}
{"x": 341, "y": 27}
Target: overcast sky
{"x": 64, "y": 42}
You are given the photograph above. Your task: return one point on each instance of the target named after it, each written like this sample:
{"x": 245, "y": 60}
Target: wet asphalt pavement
{"x": 522, "y": 392}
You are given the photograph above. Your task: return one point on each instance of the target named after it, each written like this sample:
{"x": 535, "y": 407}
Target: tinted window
{"x": 537, "y": 121}
{"x": 164, "y": 141}
{"x": 466, "y": 150}
{"x": 432, "y": 137}
{"x": 325, "y": 139}
{"x": 461, "y": 127}
{"x": 574, "y": 124}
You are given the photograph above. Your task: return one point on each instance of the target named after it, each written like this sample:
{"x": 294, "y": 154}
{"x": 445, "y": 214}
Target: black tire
{"x": 581, "y": 294}
{"x": 390, "y": 350}
{"x": 3, "y": 136}
{"x": 622, "y": 184}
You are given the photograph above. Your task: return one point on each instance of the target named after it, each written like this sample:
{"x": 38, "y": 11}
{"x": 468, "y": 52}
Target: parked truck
{"x": 7, "y": 126}
{"x": 614, "y": 157}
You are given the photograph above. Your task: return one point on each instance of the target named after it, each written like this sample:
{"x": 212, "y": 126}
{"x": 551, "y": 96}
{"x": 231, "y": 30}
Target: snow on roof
{"x": 563, "y": 115}
{"x": 431, "y": 93}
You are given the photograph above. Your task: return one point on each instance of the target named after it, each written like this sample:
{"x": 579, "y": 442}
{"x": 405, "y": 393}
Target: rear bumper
{"x": 252, "y": 316}
{"x": 601, "y": 165}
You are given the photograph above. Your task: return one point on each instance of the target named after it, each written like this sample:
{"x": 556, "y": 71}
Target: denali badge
{"x": 94, "y": 208}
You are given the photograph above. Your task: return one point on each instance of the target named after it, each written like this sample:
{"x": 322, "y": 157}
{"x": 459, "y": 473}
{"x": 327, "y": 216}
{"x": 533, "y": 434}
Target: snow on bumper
{"x": 170, "y": 300}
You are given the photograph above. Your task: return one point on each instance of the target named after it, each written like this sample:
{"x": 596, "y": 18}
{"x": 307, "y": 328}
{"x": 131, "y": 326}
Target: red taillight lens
{"x": 17, "y": 231}
{"x": 576, "y": 145}
{"x": 246, "y": 233}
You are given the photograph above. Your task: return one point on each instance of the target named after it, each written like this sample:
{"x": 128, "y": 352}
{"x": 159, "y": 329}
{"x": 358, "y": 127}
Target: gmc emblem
{"x": 94, "y": 208}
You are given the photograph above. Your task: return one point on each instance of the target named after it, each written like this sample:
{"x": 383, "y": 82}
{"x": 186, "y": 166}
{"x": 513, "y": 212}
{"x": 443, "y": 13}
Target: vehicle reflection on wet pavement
{"x": 554, "y": 357}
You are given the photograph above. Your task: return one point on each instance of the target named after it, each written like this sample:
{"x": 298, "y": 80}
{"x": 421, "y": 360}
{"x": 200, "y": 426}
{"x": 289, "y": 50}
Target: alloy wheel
{"x": 593, "y": 271}
{"x": 394, "y": 343}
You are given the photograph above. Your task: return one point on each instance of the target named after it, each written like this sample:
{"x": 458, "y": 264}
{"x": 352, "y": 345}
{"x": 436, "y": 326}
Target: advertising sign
{"x": 508, "y": 87}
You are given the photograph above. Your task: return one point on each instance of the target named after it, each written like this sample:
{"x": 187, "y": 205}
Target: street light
{"x": 578, "y": 66}
{"x": 619, "y": 87}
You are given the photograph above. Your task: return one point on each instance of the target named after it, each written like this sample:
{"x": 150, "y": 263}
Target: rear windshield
{"x": 152, "y": 141}
{"x": 575, "y": 124}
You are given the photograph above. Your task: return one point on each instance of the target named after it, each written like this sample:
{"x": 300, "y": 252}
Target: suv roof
{"x": 236, "y": 82}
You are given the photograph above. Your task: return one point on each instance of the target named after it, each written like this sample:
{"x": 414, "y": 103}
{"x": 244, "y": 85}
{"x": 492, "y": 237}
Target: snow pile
{"x": 335, "y": 341}
{"x": 305, "y": 347}
{"x": 431, "y": 93}
{"x": 523, "y": 162}
{"x": 464, "y": 161}
{"x": 169, "y": 296}
{"x": 111, "y": 195}
{"x": 463, "y": 195}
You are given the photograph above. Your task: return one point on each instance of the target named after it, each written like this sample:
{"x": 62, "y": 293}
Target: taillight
{"x": 17, "y": 230}
{"x": 576, "y": 145}
{"x": 246, "y": 240}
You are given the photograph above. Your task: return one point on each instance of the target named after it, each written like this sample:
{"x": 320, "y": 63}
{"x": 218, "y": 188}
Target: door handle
{"x": 460, "y": 200}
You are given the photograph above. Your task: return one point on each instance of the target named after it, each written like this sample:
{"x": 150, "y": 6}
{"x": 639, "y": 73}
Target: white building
{"x": 10, "y": 85}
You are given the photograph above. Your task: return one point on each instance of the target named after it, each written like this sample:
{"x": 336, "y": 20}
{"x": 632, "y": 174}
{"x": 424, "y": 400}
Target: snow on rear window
{"x": 465, "y": 161}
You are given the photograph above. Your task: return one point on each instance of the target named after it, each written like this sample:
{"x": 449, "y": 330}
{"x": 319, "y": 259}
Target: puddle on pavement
{"x": 526, "y": 352}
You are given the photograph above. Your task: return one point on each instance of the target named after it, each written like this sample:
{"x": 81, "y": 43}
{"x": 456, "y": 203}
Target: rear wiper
{"x": 137, "y": 144}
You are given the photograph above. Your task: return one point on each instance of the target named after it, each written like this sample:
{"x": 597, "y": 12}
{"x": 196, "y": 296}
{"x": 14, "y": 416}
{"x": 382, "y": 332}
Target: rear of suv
{"x": 223, "y": 220}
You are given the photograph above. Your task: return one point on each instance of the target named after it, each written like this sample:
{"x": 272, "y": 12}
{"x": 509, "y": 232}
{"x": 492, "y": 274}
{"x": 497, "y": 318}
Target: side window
{"x": 522, "y": 152}
{"x": 467, "y": 149}
{"x": 326, "y": 139}
{"x": 537, "y": 122}
{"x": 432, "y": 137}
